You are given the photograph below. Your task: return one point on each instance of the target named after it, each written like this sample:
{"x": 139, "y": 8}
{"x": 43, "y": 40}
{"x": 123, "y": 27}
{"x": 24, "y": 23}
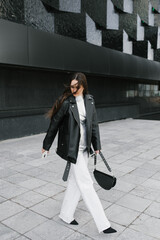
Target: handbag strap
{"x": 66, "y": 171}
{"x": 104, "y": 160}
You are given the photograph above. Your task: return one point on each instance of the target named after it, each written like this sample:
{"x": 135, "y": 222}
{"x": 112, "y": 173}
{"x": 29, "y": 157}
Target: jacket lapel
{"x": 89, "y": 108}
{"x": 74, "y": 109}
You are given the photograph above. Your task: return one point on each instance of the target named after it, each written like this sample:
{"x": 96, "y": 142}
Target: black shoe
{"x": 109, "y": 230}
{"x": 74, "y": 222}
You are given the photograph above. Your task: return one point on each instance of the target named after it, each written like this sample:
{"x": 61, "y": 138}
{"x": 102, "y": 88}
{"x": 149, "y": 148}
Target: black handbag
{"x": 106, "y": 181}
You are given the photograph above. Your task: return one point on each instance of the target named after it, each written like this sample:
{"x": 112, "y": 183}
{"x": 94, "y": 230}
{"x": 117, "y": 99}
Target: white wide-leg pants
{"x": 80, "y": 184}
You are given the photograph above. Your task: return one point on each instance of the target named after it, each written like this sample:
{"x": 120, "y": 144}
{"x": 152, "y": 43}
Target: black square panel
{"x": 13, "y": 43}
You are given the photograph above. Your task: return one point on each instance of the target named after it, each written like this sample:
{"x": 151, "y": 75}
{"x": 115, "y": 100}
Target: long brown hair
{"x": 82, "y": 81}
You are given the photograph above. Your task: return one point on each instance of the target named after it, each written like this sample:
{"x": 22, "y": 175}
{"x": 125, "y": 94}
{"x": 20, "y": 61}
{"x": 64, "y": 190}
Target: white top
{"x": 82, "y": 117}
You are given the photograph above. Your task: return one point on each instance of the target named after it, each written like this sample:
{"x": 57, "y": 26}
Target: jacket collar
{"x": 87, "y": 101}
{"x": 72, "y": 99}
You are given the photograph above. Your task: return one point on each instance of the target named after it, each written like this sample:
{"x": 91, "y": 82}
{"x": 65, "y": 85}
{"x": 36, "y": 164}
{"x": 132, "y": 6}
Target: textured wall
{"x": 123, "y": 85}
{"x": 93, "y": 35}
{"x": 128, "y": 6}
{"x": 112, "y": 16}
{"x": 71, "y": 25}
{"x": 70, "y": 6}
{"x": 127, "y": 44}
{"x": 113, "y": 39}
{"x": 12, "y": 10}
{"x": 95, "y": 21}
{"x": 141, "y": 7}
{"x": 37, "y": 16}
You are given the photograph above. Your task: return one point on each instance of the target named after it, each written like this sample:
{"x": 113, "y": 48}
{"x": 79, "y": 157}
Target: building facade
{"x": 116, "y": 43}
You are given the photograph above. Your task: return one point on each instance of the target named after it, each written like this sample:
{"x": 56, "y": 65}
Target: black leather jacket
{"x": 66, "y": 122}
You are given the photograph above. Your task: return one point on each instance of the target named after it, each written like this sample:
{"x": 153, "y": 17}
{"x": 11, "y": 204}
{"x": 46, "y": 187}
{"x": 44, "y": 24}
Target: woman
{"x": 73, "y": 116}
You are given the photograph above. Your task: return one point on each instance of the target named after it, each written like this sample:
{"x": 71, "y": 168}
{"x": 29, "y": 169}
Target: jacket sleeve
{"x": 54, "y": 126}
{"x": 95, "y": 132}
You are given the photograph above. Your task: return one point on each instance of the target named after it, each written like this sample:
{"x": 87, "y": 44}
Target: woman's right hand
{"x": 44, "y": 153}
{"x": 43, "y": 150}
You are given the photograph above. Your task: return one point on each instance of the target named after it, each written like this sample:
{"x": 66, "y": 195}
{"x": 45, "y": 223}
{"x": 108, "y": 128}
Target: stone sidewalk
{"x": 31, "y": 188}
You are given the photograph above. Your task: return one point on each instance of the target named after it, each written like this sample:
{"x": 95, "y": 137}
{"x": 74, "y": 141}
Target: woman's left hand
{"x": 97, "y": 151}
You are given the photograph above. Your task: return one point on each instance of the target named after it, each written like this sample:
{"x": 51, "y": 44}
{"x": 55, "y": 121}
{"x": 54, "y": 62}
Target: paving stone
{"x": 143, "y": 172}
{"x": 17, "y": 178}
{"x": 110, "y": 153}
{"x": 11, "y": 190}
{"x": 8, "y": 164}
{"x": 6, "y": 172}
{"x": 21, "y": 167}
{"x": 133, "y": 202}
{"x": 91, "y": 230}
{"x": 8, "y": 155}
{"x": 132, "y": 206}
{"x": 152, "y": 183}
{"x": 51, "y": 177}
{"x": 78, "y": 236}
{"x": 148, "y": 193}
{"x": 156, "y": 176}
{"x": 7, "y": 233}
{"x": 149, "y": 166}
{"x": 34, "y": 155}
{"x": 155, "y": 195}
{"x": 147, "y": 225}
{"x": 2, "y": 199}
{"x": 141, "y": 191}
{"x": 153, "y": 210}
{"x": 130, "y": 153}
{"x": 8, "y": 209}
{"x": 130, "y": 234}
{"x": 125, "y": 169}
{"x": 35, "y": 172}
{"x": 124, "y": 186}
{"x": 82, "y": 205}
{"x": 111, "y": 196}
{"x": 59, "y": 181}
{"x": 55, "y": 163}
{"x": 131, "y": 178}
{"x": 48, "y": 208}
{"x": 151, "y": 154}
{"x": 133, "y": 162}
{"x": 24, "y": 159}
{"x": 2, "y": 182}
{"x": 24, "y": 221}
{"x": 155, "y": 161}
{"x": 101, "y": 166}
{"x": 22, "y": 238}
{"x": 117, "y": 173}
{"x": 32, "y": 183}
{"x": 29, "y": 198}
{"x": 50, "y": 189}
{"x": 81, "y": 216}
{"x": 59, "y": 196}
{"x": 138, "y": 160}
{"x": 39, "y": 162}
{"x": 121, "y": 215}
{"x": 95, "y": 184}
{"x": 114, "y": 166}
{"x": 49, "y": 230}
{"x": 119, "y": 158}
